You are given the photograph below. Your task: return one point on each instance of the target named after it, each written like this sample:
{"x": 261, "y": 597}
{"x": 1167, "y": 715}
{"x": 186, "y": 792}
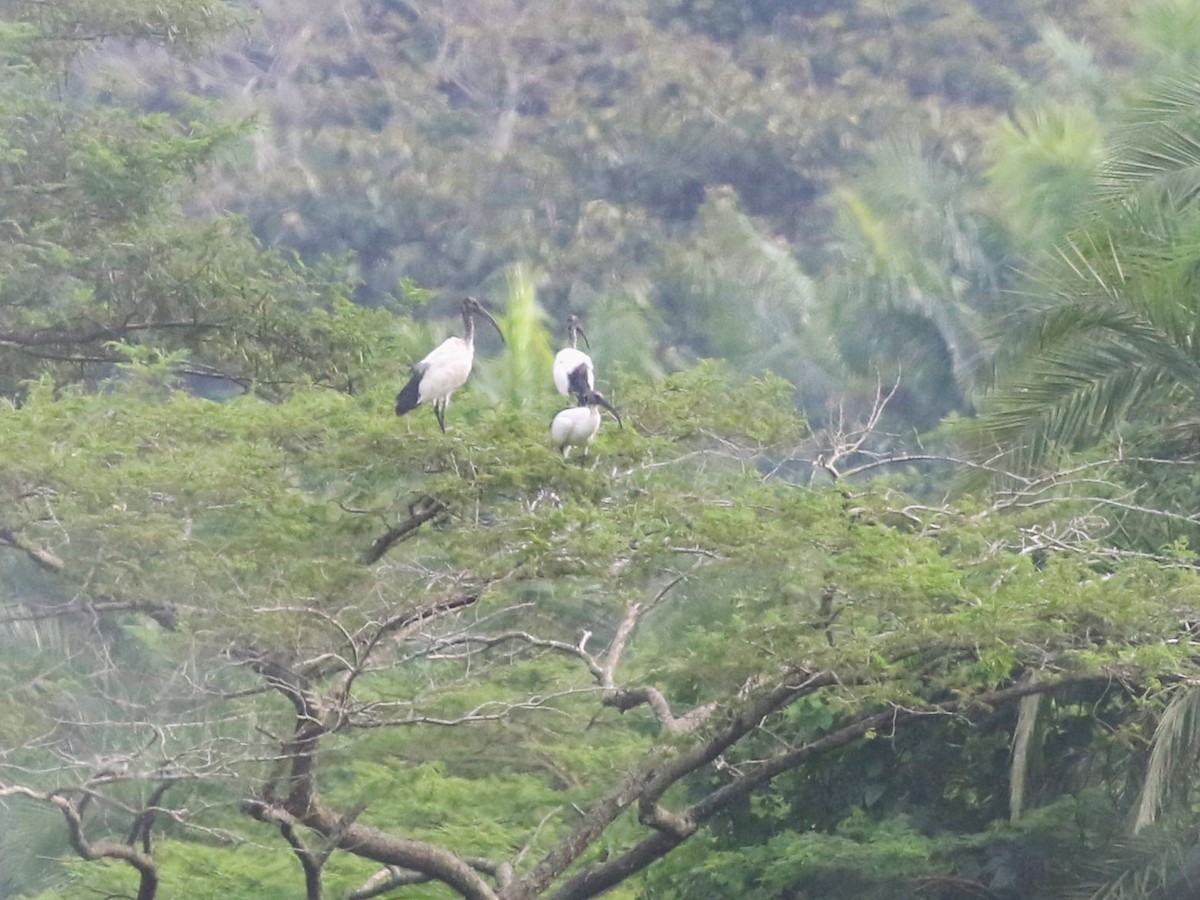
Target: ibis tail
{"x": 579, "y": 382}
{"x": 410, "y": 395}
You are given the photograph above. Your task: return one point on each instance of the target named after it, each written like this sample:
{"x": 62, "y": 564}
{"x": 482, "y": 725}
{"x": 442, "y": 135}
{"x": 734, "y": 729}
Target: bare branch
{"x": 847, "y": 441}
{"x": 304, "y": 806}
{"x": 603, "y": 668}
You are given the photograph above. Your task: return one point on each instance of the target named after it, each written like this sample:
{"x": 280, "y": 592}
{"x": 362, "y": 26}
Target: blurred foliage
{"x": 1105, "y": 347}
{"x": 442, "y": 142}
{"x": 101, "y": 243}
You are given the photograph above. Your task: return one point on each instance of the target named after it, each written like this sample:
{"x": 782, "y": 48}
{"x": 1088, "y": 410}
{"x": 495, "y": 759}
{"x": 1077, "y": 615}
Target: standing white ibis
{"x": 572, "y": 369}
{"x": 445, "y": 370}
{"x": 578, "y": 426}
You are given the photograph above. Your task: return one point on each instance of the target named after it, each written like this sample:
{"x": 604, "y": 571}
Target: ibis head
{"x": 593, "y": 399}
{"x": 472, "y": 308}
{"x": 575, "y": 332}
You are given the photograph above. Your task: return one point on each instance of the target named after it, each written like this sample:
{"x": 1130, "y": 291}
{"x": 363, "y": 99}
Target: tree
{"x": 920, "y": 286}
{"x": 287, "y": 618}
{"x": 1111, "y": 343}
{"x": 99, "y": 246}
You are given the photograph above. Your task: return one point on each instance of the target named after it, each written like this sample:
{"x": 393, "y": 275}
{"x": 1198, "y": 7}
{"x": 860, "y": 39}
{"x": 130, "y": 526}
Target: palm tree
{"x": 923, "y": 276}
{"x": 1112, "y": 333}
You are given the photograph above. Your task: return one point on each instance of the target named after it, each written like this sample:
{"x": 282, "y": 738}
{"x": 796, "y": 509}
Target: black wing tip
{"x": 409, "y": 396}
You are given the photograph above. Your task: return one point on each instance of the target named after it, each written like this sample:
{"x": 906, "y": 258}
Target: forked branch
{"x": 72, "y": 811}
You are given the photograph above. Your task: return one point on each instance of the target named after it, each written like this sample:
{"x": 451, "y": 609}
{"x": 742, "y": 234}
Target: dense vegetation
{"x": 261, "y": 638}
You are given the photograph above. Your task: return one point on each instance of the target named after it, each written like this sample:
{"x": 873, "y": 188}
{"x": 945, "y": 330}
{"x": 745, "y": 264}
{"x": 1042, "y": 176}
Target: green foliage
{"x": 862, "y": 859}
{"x": 441, "y": 142}
{"x": 1111, "y": 345}
{"x": 913, "y": 310}
{"x": 528, "y": 356}
{"x": 248, "y": 519}
{"x": 1167, "y": 31}
{"x": 100, "y": 248}
{"x": 1045, "y": 164}
{"x": 737, "y": 295}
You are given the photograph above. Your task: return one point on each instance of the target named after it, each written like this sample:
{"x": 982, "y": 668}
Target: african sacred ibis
{"x": 572, "y": 370}
{"x": 445, "y": 370}
{"x": 578, "y": 425}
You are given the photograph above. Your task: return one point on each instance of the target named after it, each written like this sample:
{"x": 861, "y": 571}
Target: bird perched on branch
{"x": 578, "y": 425}
{"x": 446, "y": 368}
{"x": 573, "y": 371}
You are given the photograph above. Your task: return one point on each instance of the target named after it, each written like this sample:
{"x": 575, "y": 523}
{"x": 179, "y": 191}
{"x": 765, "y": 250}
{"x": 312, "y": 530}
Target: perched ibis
{"x": 572, "y": 370}
{"x": 445, "y": 370}
{"x": 578, "y": 425}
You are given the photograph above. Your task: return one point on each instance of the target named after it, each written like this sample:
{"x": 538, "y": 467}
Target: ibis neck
{"x": 469, "y": 329}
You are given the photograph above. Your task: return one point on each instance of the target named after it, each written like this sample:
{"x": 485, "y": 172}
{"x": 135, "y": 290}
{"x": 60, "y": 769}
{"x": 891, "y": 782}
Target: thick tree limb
{"x": 312, "y": 862}
{"x": 371, "y": 843}
{"x": 144, "y": 821}
{"x": 662, "y": 768}
{"x": 46, "y": 559}
{"x": 386, "y": 880}
{"x": 72, "y": 812}
{"x": 603, "y": 876}
{"x": 313, "y": 720}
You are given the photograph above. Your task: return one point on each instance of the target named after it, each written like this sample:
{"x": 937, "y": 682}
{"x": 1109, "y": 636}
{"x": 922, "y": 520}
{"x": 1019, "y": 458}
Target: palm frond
{"x": 1112, "y": 327}
{"x": 1062, "y": 408}
{"x": 1174, "y": 747}
{"x": 1157, "y": 149}
{"x": 1158, "y": 864}
{"x": 1089, "y": 369}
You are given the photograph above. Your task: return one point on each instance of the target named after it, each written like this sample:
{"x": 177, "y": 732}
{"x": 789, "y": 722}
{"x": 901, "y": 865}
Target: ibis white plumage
{"x": 579, "y": 425}
{"x": 573, "y": 371}
{"x": 446, "y": 368}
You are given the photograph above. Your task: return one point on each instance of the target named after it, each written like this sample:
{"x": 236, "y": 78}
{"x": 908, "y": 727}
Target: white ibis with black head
{"x": 572, "y": 369}
{"x": 578, "y": 426}
{"x": 445, "y": 370}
